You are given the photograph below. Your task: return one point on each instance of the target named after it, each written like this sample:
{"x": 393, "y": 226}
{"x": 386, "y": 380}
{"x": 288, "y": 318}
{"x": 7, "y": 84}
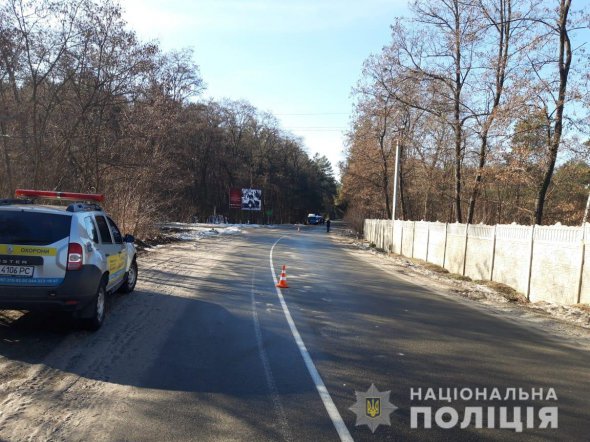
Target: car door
{"x": 122, "y": 248}
{"x": 113, "y": 248}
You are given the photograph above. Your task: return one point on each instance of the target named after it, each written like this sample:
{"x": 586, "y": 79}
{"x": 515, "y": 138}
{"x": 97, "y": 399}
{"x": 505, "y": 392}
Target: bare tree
{"x": 438, "y": 55}
{"x": 552, "y": 93}
{"x": 500, "y": 21}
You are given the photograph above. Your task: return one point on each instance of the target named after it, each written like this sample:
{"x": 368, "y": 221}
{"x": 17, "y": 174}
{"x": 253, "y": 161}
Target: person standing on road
{"x": 328, "y": 225}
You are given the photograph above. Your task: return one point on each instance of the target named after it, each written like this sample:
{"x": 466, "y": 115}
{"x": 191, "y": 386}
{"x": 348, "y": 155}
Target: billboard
{"x": 235, "y": 198}
{"x": 251, "y": 199}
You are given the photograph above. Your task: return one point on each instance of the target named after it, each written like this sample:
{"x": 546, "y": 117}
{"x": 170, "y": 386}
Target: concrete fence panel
{"x": 513, "y": 256}
{"x": 408, "y": 239}
{"x": 479, "y": 256}
{"x": 557, "y": 264}
{"x": 455, "y": 256}
{"x": 546, "y": 263}
{"x": 370, "y": 227}
{"x": 437, "y": 240}
{"x": 397, "y": 241}
{"x": 388, "y": 234}
{"x": 421, "y": 240}
{"x": 378, "y": 232}
{"x": 584, "y": 295}
{"x": 375, "y": 232}
{"x": 381, "y": 234}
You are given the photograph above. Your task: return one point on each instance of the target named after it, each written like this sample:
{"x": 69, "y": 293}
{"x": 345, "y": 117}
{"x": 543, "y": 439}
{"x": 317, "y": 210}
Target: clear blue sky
{"x": 297, "y": 59}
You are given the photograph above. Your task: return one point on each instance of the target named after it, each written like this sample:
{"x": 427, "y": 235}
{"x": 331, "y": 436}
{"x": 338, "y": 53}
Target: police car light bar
{"x": 66, "y": 196}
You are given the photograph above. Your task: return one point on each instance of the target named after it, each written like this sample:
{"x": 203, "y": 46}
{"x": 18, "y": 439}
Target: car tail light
{"x": 75, "y": 256}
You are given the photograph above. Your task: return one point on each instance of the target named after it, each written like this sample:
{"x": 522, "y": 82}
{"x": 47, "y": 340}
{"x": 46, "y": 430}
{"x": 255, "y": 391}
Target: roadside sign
{"x": 252, "y": 199}
{"x": 235, "y": 198}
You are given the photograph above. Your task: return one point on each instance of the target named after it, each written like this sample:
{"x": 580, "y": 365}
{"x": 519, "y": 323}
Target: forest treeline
{"x": 86, "y": 106}
{"x": 488, "y": 100}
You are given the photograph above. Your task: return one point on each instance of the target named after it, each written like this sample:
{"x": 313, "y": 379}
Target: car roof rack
{"x": 83, "y": 207}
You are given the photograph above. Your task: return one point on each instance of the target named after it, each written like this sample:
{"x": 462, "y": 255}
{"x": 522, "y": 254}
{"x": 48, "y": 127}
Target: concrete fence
{"x": 546, "y": 263}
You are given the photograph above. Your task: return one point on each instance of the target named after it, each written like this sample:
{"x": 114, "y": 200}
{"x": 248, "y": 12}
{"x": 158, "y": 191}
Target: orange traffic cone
{"x": 283, "y": 281}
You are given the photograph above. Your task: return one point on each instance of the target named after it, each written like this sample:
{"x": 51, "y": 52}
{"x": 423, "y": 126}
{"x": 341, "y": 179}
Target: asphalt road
{"x": 203, "y": 351}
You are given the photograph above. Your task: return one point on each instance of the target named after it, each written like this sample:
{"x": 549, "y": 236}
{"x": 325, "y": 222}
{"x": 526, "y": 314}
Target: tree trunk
{"x": 388, "y": 206}
{"x": 9, "y": 182}
{"x": 457, "y": 125}
{"x": 565, "y": 60}
{"x": 457, "y": 196}
{"x": 401, "y": 183}
{"x": 478, "y": 178}
{"x": 503, "y": 27}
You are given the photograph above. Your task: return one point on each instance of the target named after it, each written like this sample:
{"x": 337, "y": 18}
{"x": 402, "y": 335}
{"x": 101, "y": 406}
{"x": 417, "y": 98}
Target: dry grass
{"x": 584, "y": 307}
{"x": 508, "y": 292}
{"x": 457, "y": 277}
{"x": 142, "y": 244}
{"x": 429, "y": 266}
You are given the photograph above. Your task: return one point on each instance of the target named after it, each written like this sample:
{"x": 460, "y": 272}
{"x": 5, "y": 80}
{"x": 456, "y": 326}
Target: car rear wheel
{"x": 131, "y": 279}
{"x": 96, "y": 310}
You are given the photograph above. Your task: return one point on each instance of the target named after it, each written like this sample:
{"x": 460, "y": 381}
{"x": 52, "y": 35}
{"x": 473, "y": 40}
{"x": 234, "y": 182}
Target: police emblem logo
{"x": 10, "y": 250}
{"x": 373, "y": 408}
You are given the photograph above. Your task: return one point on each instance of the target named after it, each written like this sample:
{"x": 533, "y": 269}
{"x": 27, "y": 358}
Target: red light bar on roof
{"x": 68, "y": 196}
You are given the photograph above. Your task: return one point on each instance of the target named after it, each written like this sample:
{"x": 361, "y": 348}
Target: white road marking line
{"x": 313, "y": 371}
{"x": 270, "y": 381}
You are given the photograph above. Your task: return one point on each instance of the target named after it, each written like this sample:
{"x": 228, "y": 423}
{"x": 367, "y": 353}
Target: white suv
{"x": 64, "y": 258}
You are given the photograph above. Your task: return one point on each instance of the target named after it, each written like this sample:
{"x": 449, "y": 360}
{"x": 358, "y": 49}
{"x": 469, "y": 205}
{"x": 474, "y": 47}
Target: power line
{"x": 317, "y": 127}
{"x": 314, "y": 113}
{"x": 314, "y": 130}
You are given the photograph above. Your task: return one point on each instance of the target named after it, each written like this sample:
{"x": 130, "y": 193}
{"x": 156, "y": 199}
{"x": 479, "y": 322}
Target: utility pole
{"x": 587, "y": 207}
{"x": 394, "y": 202}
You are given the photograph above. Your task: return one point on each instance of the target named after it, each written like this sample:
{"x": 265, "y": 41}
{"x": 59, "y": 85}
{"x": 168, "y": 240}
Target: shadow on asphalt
{"x": 206, "y": 349}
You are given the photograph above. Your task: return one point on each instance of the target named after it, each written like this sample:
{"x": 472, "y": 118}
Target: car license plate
{"x": 19, "y": 271}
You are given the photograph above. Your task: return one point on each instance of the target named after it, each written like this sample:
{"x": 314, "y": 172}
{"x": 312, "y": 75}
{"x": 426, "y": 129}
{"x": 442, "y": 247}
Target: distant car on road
{"x": 314, "y": 219}
{"x": 62, "y": 258}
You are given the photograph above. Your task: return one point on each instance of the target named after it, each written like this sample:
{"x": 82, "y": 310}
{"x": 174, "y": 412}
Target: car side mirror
{"x": 129, "y": 238}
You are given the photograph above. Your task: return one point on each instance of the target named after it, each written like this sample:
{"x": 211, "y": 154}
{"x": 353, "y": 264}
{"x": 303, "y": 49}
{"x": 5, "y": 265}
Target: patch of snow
{"x": 153, "y": 248}
{"x": 198, "y": 232}
{"x": 234, "y": 230}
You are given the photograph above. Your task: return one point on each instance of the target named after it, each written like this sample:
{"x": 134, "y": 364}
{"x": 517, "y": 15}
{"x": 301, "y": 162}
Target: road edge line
{"x": 311, "y": 368}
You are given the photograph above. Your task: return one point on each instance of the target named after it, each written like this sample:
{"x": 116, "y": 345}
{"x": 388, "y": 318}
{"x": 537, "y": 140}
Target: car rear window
{"x": 23, "y": 227}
